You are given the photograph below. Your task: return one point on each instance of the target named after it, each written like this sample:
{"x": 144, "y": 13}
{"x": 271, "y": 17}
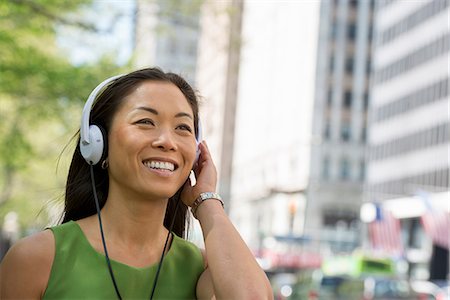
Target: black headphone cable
{"x": 108, "y": 262}
{"x": 164, "y": 250}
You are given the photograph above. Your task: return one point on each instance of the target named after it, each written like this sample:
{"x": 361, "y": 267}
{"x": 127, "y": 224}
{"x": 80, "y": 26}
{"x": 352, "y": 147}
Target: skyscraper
{"x": 409, "y": 116}
{"x": 166, "y": 35}
{"x": 339, "y": 123}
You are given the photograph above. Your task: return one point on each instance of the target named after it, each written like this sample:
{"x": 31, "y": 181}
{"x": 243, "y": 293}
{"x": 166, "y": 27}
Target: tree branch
{"x": 39, "y": 9}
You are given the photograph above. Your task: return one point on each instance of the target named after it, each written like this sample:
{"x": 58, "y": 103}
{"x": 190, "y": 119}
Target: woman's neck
{"x": 134, "y": 222}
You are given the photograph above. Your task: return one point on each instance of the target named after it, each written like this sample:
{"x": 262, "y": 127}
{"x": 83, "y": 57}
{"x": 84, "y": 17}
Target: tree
{"x": 39, "y": 90}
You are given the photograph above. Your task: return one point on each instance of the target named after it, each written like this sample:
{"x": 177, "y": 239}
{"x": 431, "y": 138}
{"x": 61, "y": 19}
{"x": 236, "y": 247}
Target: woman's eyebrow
{"x": 183, "y": 114}
{"x": 149, "y": 109}
{"x": 155, "y": 112}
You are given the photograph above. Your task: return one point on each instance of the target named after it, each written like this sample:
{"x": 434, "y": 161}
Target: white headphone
{"x": 92, "y": 142}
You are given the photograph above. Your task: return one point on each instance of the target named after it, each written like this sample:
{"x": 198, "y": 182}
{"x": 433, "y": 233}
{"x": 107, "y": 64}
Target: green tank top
{"x": 80, "y": 272}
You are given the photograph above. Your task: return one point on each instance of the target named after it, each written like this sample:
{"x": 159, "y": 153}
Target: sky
{"x": 114, "y": 21}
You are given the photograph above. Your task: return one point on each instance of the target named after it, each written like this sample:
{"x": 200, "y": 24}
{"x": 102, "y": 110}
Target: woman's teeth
{"x": 160, "y": 165}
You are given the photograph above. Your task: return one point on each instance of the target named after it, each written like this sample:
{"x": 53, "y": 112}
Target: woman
{"x": 151, "y": 123}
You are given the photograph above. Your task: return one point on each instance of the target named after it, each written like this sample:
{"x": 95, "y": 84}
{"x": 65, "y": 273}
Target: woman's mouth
{"x": 160, "y": 165}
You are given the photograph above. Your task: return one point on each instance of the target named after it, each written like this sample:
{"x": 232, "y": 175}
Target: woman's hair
{"x": 79, "y": 197}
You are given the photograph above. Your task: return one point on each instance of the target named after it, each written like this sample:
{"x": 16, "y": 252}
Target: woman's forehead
{"x": 160, "y": 96}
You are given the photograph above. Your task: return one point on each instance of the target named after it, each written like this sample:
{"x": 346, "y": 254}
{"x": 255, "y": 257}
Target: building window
{"x": 416, "y": 141}
{"x": 427, "y": 95}
{"x": 344, "y": 169}
{"x": 419, "y": 16}
{"x": 366, "y": 100}
{"x": 347, "y": 99}
{"x": 422, "y": 55}
{"x": 410, "y": 184}
{"x": 354, "y": 3}
{"x": 349, "y": 65}
{"x": 362, "y": 170}
{"x": 338, "y": 218}
{"x": 364, "y": 134}
{"x": 327, "y": 132}
{"x": 351, "y": 32}
{"x": 345, "y": 132}
{"x": 334, "y": 29}
{"x": 370, "y": 35}
{"x": 326, "y": 168}
{"x": 329, "y": 97}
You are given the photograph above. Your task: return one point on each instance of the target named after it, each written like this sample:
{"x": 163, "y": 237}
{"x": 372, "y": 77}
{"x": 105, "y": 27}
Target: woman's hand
{"x": 205, "y": 175}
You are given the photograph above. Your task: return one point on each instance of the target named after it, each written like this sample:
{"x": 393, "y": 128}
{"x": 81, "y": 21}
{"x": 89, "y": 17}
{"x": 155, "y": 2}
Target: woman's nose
{"x": 164, "y": 140}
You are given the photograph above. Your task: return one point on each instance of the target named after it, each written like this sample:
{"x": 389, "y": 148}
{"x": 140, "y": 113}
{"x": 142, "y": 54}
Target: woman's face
{"x": 151, "y": 141}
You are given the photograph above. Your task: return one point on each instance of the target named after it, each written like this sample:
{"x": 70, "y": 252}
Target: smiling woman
{"x": 155, "y": 114}
{"x": 125, "y": 214}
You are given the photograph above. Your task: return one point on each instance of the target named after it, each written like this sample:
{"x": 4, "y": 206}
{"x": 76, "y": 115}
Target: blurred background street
{"x": 328, "y": 122}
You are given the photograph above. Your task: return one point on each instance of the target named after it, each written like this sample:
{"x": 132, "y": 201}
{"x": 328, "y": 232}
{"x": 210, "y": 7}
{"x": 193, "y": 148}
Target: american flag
{"x": 436, "y": 223}
{"x": 385, "y": 233}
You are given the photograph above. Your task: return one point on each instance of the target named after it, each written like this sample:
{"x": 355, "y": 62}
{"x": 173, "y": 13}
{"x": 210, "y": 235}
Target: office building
{"x": 408, "y": 161}
{"x": 166, "y": 35}
{"x": 339, "y": 124}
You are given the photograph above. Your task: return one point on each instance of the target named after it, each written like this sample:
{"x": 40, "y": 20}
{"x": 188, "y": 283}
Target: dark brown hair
{"x": 79, "y": 199}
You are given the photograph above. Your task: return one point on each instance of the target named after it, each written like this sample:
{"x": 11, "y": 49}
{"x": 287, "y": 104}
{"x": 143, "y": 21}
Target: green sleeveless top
{"x": 80, "y": 272}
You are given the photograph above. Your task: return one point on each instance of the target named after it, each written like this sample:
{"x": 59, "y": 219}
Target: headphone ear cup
{"x": 105, "y": 143}
{"x": 95, "y": 150}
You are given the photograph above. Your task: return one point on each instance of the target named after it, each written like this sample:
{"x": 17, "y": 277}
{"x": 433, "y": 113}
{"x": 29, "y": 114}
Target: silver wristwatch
{"x": 202, "y": 197}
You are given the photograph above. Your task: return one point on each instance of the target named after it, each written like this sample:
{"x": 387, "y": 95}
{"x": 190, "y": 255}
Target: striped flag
{"x": 436, "y": 223}
{"x": 385, "y": 233}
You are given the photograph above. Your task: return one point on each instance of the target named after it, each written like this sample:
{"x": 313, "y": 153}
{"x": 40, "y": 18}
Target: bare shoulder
{"x": 29, "y": 260}
{"x": 38, "y": 247}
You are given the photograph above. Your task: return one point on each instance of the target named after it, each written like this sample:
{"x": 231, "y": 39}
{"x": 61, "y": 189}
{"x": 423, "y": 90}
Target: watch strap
{"x": 203, "y": 197}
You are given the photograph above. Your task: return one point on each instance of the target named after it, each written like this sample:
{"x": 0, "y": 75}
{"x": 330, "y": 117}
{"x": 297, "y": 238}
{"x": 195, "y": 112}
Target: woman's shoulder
{"x": 35, "y": 250}
{"x": 38, "y": 244}
{"x": 28, "y": 257}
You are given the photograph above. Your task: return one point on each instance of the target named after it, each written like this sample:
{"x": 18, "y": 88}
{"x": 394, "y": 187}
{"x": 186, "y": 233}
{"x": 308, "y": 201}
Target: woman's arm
{"x": 232, "y": 269}
{"x": 25, "y": 269}
{"x": 234, "y": 272}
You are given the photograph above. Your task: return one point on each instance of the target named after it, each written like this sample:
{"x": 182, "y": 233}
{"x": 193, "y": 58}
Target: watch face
{"x": 207, "y": 195}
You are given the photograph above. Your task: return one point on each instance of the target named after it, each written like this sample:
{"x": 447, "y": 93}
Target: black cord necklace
{"x": 108, "y": 262}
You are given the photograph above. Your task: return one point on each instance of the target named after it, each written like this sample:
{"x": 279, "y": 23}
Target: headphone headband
{"x": 84, "y": 129}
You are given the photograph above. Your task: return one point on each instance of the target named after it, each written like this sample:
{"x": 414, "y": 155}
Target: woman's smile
{"x": 161, "y": 166}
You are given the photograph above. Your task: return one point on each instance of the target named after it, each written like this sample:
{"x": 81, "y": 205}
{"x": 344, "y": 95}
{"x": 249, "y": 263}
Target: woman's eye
{"x": 146, "y": 122}
{"x": 184, "y": 127}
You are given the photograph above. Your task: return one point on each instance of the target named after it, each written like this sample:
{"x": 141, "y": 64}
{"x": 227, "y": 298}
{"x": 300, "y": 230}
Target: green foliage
{"x": 41, "y": 96}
